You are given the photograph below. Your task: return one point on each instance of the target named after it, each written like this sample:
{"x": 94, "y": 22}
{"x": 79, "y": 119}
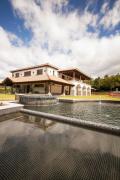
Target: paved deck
{"x": 9, "y": 107}
{"x": 30, "y": 150}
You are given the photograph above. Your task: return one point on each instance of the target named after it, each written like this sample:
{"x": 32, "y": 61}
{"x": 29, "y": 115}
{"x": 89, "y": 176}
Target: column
{"x": 75, "y": 90}
{"x": 86, "y": 91}
{"x": 81, "y": 91}
{"x": 32, "y": 88}
{"x": 63, "y": 90}
{"x": 69, "y": 90}
{"x": 90, "y": 91}
{"x": 49, "y": 89}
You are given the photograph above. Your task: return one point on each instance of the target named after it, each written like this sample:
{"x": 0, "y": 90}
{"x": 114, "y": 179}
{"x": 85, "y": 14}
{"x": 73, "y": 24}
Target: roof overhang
{"x": 78, "y": 73}
{"x": 61, "y": 83}
{"x": 27, "y": 80}
{"x": 32, "y": 67}
{"x": 44, "y": 81}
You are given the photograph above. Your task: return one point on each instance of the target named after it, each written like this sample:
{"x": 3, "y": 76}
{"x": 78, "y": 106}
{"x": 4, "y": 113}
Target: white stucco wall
{"x": 50, "y": 71}
{"x": 84, "y": 89}
{"x": 79, "y": 87}
{"x": 47, "y": 70}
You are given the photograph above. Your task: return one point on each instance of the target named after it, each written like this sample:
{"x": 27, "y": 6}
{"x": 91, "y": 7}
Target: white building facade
{"x": 80, "y": 89}
{"x": 77, "y": 78}
{"x": 48, "y": 79}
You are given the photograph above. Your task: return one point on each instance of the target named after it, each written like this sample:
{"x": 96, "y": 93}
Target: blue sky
{"x": 82, "y": 33}
{"x": 11, "y": 22}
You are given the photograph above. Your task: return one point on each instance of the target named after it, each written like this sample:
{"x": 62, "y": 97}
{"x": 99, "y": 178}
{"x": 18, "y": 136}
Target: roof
{"x": 38, "y": 66}
{"x": 74, "y": 69}
{"x": 39, "y": 78}
{"x": 57, "y": 79}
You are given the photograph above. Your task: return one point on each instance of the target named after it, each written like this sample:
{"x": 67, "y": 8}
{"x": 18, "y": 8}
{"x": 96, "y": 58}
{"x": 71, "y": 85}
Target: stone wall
{"x": 36, "y": 100}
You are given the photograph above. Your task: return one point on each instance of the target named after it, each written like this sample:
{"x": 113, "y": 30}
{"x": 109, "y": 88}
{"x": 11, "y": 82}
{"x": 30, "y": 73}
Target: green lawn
{"x": 7, "y": 97}
{"x": 92, "y": 97}
{"x": 10, "y": 97}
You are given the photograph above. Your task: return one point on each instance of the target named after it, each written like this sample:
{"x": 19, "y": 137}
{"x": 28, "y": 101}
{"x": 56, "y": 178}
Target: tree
{"x": 107, "y": 83}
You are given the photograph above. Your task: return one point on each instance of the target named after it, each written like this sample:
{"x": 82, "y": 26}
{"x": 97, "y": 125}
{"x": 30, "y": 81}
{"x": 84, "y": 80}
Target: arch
{"x": 84, "y": 90}
{"x": 79, "y": 90}
{"x": 88, "y": 91}
{"x": 72, "y": 91}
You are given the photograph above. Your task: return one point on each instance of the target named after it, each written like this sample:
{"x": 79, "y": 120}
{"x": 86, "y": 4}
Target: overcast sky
{"x": 66, "y": 33}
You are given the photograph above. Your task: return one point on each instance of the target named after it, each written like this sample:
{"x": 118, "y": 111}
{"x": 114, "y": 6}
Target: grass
{"x": 92, "y": 97}
{"x": 7, "y": 97}
{"x": 10, "y": 97}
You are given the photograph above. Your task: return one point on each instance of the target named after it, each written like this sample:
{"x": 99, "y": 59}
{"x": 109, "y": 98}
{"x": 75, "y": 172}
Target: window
{"x": 53, "y": 73}
{"x": 39, "y": 85}
{"x": 39, "y": 71}
{"x": 16, "y": 75}
{"x": 27, "y": 73}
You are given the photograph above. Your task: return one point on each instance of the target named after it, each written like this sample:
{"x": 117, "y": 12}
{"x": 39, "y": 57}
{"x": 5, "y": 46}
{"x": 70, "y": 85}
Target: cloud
{"x": 61, "y": 37}
{"x": 111, "y": 17}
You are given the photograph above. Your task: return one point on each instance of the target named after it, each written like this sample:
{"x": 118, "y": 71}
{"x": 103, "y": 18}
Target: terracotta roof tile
{"x": 29, "y": 79}
{"x": 57, "y": 79}
{"x": 38, "y": 78}
{"x": 73, "y": 69}
{"x": 37, "y": 66}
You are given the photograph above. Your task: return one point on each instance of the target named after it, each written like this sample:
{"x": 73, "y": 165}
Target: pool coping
{"x": 88, "y": 100}
{"x": 10, "y": 107}
{"x": 104, "y": 128}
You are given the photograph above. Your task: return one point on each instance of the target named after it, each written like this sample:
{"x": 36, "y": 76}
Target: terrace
{"x": 60, "y": 140}
{"x": 34, "y": 148}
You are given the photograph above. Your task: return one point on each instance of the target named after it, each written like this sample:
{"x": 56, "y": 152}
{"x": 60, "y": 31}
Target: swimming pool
{"x": 107, "y": 113}
{"x": 30, "y": 150}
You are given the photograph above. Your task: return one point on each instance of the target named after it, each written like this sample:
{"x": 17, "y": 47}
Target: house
{"x": 48, "y": 79}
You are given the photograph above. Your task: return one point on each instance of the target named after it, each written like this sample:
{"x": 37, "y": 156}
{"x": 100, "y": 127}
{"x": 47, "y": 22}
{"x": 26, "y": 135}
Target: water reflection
{"x": 27, "y": 151}
{"x": 92, "y": 111}
{"x": 38, "y": 121}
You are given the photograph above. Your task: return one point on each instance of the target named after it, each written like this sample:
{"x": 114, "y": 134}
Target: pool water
{"x": 107, "y": 113}
{"x": 56, "y": 151}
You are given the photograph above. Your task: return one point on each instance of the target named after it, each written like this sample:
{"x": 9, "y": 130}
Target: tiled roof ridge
{"x": 36, "y": 66}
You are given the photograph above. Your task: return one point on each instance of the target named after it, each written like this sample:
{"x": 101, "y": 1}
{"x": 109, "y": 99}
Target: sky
{"x": 66, "y": 33}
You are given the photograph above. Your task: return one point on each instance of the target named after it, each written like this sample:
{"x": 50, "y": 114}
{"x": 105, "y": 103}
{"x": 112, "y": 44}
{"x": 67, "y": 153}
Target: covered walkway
{"x": 81, "y": 89}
